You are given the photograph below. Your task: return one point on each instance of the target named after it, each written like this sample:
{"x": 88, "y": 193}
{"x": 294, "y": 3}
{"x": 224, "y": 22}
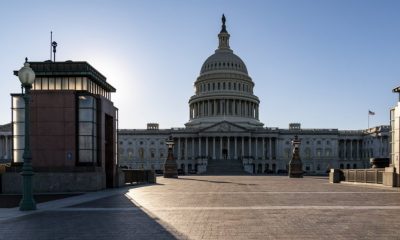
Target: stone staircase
{"x": 225, "y": 167}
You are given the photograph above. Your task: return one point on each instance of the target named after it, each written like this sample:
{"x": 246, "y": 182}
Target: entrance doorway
{"x": 109, "y": 152}
{"x": 225, "y": 154}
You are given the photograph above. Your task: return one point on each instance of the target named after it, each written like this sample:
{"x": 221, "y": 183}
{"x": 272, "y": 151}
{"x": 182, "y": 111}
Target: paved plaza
{"x": 216, "y": 207}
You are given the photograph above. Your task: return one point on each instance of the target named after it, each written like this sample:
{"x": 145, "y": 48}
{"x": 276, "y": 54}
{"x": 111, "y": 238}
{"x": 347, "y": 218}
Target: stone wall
{"x": 44, "y": 182}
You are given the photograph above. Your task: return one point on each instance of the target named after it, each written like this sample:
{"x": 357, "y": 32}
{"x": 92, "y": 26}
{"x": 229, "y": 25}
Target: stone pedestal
{"x": 335, "y": 176}
{"x": 170, "y": 166}
{"x": 295, "y": 165}
{"x": 390, "y": 177}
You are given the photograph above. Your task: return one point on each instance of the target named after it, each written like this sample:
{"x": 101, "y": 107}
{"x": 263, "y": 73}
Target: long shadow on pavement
{"x": 113, "y": 217}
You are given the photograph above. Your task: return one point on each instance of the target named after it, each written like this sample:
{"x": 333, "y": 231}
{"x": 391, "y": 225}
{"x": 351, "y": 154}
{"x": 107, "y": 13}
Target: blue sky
{"x": 320, "y": 63}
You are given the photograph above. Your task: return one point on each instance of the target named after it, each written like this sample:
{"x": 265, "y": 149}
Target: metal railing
{"x": 372, "y": 175}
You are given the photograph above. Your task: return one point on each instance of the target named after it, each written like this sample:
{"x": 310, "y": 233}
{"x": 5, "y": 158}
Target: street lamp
{"x": 26, "y": 75}
{"x": 170, "y": 166}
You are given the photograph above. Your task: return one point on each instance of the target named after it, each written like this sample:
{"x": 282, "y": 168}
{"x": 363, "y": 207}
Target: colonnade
{"x": 5, "y": 146}
{"x": 225, "y": 107}
{"x": 225, "y": 147}
{"x": 350, "y": 149}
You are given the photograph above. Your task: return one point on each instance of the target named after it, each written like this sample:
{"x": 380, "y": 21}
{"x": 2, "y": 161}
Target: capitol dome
{"x": 223, "y": 60}
{"x": 224, "y": 90}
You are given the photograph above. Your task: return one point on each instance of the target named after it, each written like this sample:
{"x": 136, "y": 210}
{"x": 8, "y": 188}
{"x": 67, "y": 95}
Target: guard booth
{"x": 73, "y": 130}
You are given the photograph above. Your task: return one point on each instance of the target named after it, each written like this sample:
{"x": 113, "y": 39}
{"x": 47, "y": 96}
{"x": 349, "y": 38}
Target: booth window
{"x": 87, "y": 133}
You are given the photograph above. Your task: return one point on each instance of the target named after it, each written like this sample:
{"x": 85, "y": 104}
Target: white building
{"x": 5, "y": 143}
{"x": 224, "y": 133}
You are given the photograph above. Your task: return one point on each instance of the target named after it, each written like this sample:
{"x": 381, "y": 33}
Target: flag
{"x": 371, "y": 112}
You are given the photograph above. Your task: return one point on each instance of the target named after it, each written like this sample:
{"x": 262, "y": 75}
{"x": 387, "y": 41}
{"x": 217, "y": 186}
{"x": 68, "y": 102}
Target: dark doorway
{"x": 224, "y": 154}
{"x": 109, "y": 152}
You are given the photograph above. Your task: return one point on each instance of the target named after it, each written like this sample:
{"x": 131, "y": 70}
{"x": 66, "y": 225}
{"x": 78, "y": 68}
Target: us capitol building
{"x": 224, "y": 133}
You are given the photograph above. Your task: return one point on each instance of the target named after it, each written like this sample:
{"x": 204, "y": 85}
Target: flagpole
{"x": 368, "y": 119}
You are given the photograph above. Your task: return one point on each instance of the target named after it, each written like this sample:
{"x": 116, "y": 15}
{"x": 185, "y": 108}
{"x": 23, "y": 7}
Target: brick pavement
{"x": 217, "y": 207}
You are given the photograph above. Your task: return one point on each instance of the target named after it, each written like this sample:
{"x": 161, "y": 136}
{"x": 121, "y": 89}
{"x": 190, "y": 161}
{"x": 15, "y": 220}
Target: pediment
{"x": 224, "y": 127}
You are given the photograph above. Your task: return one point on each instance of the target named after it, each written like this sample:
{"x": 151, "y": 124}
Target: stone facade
{"x": 5, "y": 143}
{"x": 261, "y": 150}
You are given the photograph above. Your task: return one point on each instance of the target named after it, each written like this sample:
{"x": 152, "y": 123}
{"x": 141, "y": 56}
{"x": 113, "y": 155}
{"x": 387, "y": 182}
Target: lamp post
{"x": 295, "y": 165}
{"x": 170, "y": 166}
{"x": 26, "y": 75}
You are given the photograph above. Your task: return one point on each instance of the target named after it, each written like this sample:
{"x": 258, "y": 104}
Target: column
{"x": 213, "y": 147}
{"x": 2, "y": 147}
{"x": 235, "y": 153}
{"x": 200, "y": 147}
{"x": 220, "y": 149}
{"x": 263, "y": 149}
{"x": 215, "y": 107}
{"x": 351, "y": 149}
{"x": 256, "y": 154}
{"x": 193, "y": 148}
{"x": 186, "y": 149}
{"x": 242, "y": 147}
{"x": 249, "y": 146}
{"x": 270, "y": 148}
{"x": 229, "y": 153}
{"x": 206, "y": 147}
{"x": 179, "y": 148}
{"x": 357, "y": 149}
{"x": 209, "y": 108}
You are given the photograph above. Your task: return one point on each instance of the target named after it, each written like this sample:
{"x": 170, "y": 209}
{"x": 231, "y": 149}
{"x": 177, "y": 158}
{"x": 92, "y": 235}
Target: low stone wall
{"x": 139, "y": 176}
{"x": 373, "y": 175}
{"x": 385, "y": 176}
{"x": 44, "y": 182}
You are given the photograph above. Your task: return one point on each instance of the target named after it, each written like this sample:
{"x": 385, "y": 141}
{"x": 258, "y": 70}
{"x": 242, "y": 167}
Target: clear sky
{"x": 322, "y": 63}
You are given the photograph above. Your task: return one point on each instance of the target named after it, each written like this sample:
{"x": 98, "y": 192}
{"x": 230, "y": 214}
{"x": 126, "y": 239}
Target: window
{"x": 18, "y": 125}
{"x": 87, "y": 133}
{"x": 141, "y": 153}
{"x": 319, "y": 152}
{"x": 328, "y": 152}
{"x": 71, "y": 82}
{"x": 287, "y": 152}
{"x": 307, "y": 152}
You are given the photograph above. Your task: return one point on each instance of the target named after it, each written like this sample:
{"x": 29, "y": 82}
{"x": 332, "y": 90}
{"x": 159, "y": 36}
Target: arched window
{"x": 141, "y": 153}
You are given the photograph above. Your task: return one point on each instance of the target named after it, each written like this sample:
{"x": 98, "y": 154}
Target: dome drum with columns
{"x": 224, "y": 90}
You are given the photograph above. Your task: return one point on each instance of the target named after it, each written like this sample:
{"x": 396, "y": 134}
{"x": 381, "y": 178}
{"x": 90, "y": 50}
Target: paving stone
{"x": 219, "y": 207}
